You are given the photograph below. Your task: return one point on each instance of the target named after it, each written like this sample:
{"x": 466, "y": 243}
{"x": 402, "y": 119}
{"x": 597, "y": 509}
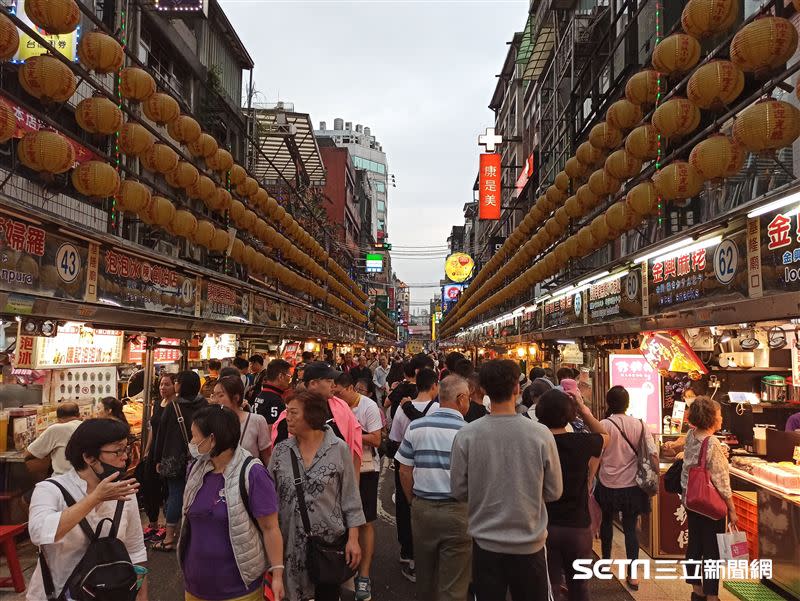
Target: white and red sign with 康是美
{"x": 489, "y": 187}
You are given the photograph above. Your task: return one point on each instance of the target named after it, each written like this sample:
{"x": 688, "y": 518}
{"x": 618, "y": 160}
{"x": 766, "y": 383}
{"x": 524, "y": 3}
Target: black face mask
{"x": 109, "y": 469}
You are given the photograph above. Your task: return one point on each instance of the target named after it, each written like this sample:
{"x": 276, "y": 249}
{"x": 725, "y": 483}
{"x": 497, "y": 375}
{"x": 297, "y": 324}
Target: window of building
{"x": 380, "y": 186}
{"x": 362, "y": 163}
{"x": 381, "y": 206}
{"x": 381, "y": 225}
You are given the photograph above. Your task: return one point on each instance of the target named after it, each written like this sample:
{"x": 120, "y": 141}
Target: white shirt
{"x": 401, "y": 421}
{"x": 369, "y": 416}
{"x": 52, "y": 442}
{"x": 47, "y": 504}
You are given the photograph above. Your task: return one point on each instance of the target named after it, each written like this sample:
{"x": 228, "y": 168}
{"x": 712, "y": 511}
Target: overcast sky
{"x": 420, "y": 74}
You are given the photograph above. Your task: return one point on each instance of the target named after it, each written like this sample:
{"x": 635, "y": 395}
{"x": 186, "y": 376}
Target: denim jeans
{"x": 174, "y": 505}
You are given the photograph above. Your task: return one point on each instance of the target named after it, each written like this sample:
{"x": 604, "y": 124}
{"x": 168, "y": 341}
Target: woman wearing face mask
{"x": 98, "y": 452}
{"x": 255, "y": 438}
{"x": 230, "y": 534}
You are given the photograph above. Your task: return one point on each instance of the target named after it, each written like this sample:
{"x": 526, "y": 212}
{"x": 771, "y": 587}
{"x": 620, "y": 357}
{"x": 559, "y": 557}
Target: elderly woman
{"x": 329, "y": 486}
{"x": 255, "y": 436}
{"x": 230, "y": 533}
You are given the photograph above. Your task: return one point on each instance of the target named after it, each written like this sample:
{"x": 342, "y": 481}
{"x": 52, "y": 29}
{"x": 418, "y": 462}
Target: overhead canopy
{"x": 535, "y": 48}
{"x": 287, "y": 148}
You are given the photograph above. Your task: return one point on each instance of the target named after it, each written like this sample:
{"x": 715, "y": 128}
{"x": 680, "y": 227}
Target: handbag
{"x": 647, "y": 472}
{"x": 701, "y": 495}
{"x": 733, "y": 545}
{"x": 175, "y": 465}
{"x": 672, "y": 479}
{"x": 326, "y": 561}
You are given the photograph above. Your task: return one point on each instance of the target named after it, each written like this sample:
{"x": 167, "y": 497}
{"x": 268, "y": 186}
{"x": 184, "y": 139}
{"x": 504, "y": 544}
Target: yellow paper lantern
{"x": 572, "y": 246}
{"x": 220, "y": 241}
{"x": 562, "y": 181}
{"x": 248, "y": 220}
{"x": 47, "y": 78}
{"x": 8, "y": 122}
{"x": 183, "y": 176}
{"x": 574, "y": 168}
{"x": 586, "y": 240}
{"x": 237, "y": 175}
{"x": 620, "y": 218}
{"x": 237, "y": 250}
{"x": 717, "y": 157}
{"x": 46, "y": 151}
{"x": 184, "y": 224}
{"x": 161, "y": 108}
{"x": 764, "y": 44}
{"x": 605, "y": 136}
{"x": 624, "y": 114}
{"x": 136, "y": 84}
{"x": 642, "y": 199}
{"x": 184, "y": 129}
{"x": 261, "y": 230}
{"x": 603, "y": 183}
{"x": 678, "y": 180}
{"x": 622, "y": 165}
{"x": 573, "y": 207}
{"x": 204, "y": 146}
{"x": 248, "y": 188}
{"x": 9, "y": 38}
{"x": 100, "y": 52}
{"x": 642, "y": 142}
{"x": 590, "y": 155}
{"x": 676, "y": 117}
{"x": 220, "y": 161}
{"x": 236, "y": 210}
{"x": 715, "y": 85}
{"x": 677, "y": 53}
{"x": 642, "y": 87}
{"x": 554, "y": 228}
{"x": 600, "y": 230}
{"x": 703, "y": 18}
{"x": 767, "y": 126}
{"x": 95, "y": 178}
{"x": 159, "y": 158}
{"x": 134, "y": 139}
{"x": 54, "y": 16}
{"x": 587, "y": 198}
{"x": 561, "y": 253}
{"x": 555, "y": 196}
{"x": 220, "y": 201}
{"x": 544, "y": 205}
{"x": 562, "y": 217}
{"x": 204, "y": 233}
{"x": 132, "y": 196}
{"x": 98, "y": 115}
{"x": 204, "y": 189}
{"x": 159, "y": 211}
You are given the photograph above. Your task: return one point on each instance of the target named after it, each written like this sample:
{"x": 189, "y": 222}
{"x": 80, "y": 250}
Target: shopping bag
{"x": 733, "y": 545}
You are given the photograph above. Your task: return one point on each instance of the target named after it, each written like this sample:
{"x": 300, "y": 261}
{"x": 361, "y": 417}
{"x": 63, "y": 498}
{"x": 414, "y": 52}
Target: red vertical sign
{"x": 489, "y": 187}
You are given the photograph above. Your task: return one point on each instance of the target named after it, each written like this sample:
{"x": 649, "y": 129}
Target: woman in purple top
{"x": 230, "y": 536}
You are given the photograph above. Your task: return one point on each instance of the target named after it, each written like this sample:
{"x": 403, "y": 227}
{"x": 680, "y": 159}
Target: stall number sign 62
{"x": 726, "y": 261}
{"x": 68, "y": 263}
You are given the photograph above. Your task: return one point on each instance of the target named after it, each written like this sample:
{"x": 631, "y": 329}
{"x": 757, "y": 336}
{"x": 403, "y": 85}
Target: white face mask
{"x": 194, "y": 451}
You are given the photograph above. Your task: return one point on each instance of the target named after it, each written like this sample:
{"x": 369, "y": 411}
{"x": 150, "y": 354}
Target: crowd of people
{"x": 267, "y": 479}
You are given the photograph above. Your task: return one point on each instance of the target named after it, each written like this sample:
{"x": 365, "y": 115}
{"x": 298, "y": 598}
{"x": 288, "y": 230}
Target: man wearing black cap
{"x": 319, "y": 377}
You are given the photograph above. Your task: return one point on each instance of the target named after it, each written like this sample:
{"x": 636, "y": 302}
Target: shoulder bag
{"x": 175, "y": 466}
{"x": 701, "y": 495}
{"x": 327, "y": 562}
{"x": 646, "y": 471}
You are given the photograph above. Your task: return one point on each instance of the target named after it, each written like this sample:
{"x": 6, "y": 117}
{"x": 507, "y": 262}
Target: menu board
{"x": 127, "y": 281}
{"x": 223, "y": 302}
{"x": 780, "y": 250}
{"x": 36, "y": 261}
{"x": 566, "y": 311}
{"x": 76, "y": 345}
{"x": 694, "y": 278}
{"x": 643, "y": 384}
{"x": 616, "y": 299}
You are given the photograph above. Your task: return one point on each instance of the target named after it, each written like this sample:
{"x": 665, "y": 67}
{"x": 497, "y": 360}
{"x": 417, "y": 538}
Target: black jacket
{"x": 403, "y": 390}
{"x": 170, "y": 442}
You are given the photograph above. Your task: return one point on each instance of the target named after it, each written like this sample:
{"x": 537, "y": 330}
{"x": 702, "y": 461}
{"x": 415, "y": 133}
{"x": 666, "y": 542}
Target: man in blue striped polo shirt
{"x": 442, "y": 547}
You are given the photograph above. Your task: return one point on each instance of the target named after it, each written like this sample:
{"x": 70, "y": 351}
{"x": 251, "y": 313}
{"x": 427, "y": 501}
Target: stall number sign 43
{"x": 68, "y": 263}
{"x": 726, "y": 261}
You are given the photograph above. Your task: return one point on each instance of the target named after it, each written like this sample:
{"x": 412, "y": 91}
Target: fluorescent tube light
{"x": 565, "y": 341}
{"x": 689, "y": 249}
{"x": 596, "y": 276}
{"x": 682, "y": 246}
{"x": 775, "y": 205}
{"x": 612, "y": 277}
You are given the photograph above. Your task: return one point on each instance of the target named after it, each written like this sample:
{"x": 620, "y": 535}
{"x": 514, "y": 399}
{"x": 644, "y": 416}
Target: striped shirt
{"x": 426, "y": 447}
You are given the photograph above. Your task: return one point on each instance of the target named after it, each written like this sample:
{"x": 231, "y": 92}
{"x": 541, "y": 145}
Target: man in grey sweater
{"x": 506, "y": 467}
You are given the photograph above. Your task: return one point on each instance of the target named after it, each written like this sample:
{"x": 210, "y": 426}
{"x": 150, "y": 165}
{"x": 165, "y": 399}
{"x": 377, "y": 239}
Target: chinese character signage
{"x": 642, "y": 383}
{"x": 566, "y": 311}
{"x": 66, "y": 44}
{"x": 699, "y": 276}
{"x": 35, "y": 261}
{"x": 136, "y": 351}
{"x": 668, "y": 351}
{"x": 266, "y": 312}
{"x": 673, "y": 528}
{"x": 458, "y": 267}
{"x": 128, "y": 281}
{"x": 297, "y": 317}
{"x": 489, "y": 187}
{"x": 75, "y": 345}
{"x": 531, "y": 321}
{"x": 223, "y": 302}
{"x": 616, "y": 299}
{"x": 780, "y": 251}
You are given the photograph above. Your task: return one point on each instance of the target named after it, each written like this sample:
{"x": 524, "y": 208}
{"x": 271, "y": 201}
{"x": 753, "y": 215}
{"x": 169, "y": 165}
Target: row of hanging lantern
{"x": 760, "y": 47}
{"x": 50, "y": 80}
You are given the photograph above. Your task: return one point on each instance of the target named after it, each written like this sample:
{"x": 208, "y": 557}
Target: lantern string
{"x": 658, "y": 101}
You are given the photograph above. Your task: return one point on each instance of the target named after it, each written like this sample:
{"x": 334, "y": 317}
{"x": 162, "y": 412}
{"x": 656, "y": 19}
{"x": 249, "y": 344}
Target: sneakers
{"x": 154, "y": 534}
{"x": 409, "y": 572}
{"x": 363, "y": 589}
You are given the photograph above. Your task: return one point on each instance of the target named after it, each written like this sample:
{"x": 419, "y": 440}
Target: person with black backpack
{"x": 86, "y": 522}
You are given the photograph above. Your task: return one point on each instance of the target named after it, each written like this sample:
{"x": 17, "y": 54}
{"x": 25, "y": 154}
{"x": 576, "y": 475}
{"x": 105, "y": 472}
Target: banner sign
{"x": 223, "y": 302}
{"x": 495, "y": 244}
{"x": 697, "y": 277}
{"x": 668, "y": 351}
{"x": 36, "y": 261}
{"x": 450, "y": 293}
{"x": 490, "y": 187}
{"x": 780, "y": 250}
{"x": 619, "y": 298}
{"x": 531, "y": 321}
{"x": 566, "y": 311}
{"x": 642, "y": 382}
{"x": 75, "y": 345}
{"x": 458, "y": 267}
{"x": 128, "y": 281}
{"x": 522, "y": 180}
{"x": 136, "y": 352}
{"x": 66, "y": 44}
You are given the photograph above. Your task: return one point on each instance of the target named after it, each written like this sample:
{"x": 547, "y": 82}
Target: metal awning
{"x": 526, "y": 45}
{"x": 287, "y": 148}
{"x": 540, "y": 51}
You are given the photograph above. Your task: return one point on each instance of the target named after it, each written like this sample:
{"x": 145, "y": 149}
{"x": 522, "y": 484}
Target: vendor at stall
{"x": 793, "y": 423}
{"x": 48, "y": 449}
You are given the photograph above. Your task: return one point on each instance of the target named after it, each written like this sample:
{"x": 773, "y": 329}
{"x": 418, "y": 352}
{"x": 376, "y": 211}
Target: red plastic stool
{"x": 7, "y": 534}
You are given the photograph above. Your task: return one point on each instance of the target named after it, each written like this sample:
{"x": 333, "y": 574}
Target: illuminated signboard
{"x": 451, "y": 292}
{"x": 458, "y": 267}
{"x": 66, "y": 44}
{"x": 489, "y": 187}
{"x": 183, "y": 6}
{"x": 643, "y": 384}
{"x": 75, "y": 345}
{"x": 523, "y": 178}
{"x": 374, "y": 263}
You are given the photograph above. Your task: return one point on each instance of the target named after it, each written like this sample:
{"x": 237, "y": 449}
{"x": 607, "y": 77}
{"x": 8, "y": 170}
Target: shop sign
{"x": 136, "y": 351}
{"x": 450, "y": 293}
{"x": 35, "y": 261}
{"x": 75, "y": 345}
{"x": 66, "y": 44}
{"x": 780, "y": 251}
{"x": 522, "y": 180}
{"x": 266, "y": 312}
{"x": 458, "y": 267}
{"x": 128, "y": 281}
{"x": 754, "y": 283}
{"x": 490, "y": 187}
{"x": 571, "y": 353}
{"x": 619, "y": 298}
{"x": 643, "y": 384}
{"x": 673, "y": 527}
{"x": 696, "y": 277}
{"x": 668, "y": 351}
{"x": 223, "y": 302}
{"x": 294, "y": 316}
{"x": 566, "y": 311}
{"x": 220, "y": 346}
{"x": 531, "y": 321}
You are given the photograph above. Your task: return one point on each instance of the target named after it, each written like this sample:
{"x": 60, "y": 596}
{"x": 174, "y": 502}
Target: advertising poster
{"x": 223, "y": 302}
{"x": 266, "y": 312}
{"x": 668, "y": 352}
{"x": 66, "y": 44}
{"x": 642, "y": 382}
{"x": 458, "y": 267}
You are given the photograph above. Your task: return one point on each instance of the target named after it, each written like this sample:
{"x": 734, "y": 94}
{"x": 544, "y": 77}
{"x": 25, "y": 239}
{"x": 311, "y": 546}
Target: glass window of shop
{"x": 362, "y": 163}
